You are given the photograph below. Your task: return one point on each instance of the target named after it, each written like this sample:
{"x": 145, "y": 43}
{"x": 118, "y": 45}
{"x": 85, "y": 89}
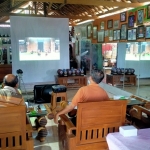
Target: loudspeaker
{"x": 42, "y": 93}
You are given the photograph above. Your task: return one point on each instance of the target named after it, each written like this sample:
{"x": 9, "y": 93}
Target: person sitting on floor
{"x": 9, "y": 95}
{"x": 91, "y": 92}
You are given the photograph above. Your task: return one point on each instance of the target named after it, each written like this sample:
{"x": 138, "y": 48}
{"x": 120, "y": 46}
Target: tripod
{"x": 21, "y": 80}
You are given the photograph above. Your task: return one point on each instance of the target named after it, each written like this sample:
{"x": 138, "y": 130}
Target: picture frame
{"x": 116, "y": 24}
{"x": 132, "y": 34}
{"x": 140, "y": 16}
{"x": 140, "y": 32}
{"x": 123, "y": 16}
{"x": 110, "y": 35}
{"x": 131, "y": 20}
{"x": 123, "y": 32}
{"x": 102, "y": 25}
{"x": 94, "y": 32}
{"x": 100, "y": 36}
{"x": 116, "y": 35}
{"x": 109, "y": 24}
{"x": 148, "y": 11}
{"x": 147, "y": 32}
{"x": 89, "y": 31}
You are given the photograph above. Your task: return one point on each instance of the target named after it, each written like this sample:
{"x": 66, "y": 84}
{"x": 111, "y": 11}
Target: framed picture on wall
{"x": 116, "y": 24}
{"x": 123, "y": 17}
{"x": 140, "y": 16}
{"x": 123, "y": 32}
{"x": 102, "y": 25}
{"x": 140, "y": 32}
{"x": 100, "y": 36}
{"x": 131, "y": 21}
{"x": 116, "y": 35}
{"x": 148, "y": 11}
{"x": 147, "y": 32}
{"x": 132, "y": 34}
{"x": 94, "y": 32}
{"x": 109, "y": 24}
{"x": 89, "y": 30}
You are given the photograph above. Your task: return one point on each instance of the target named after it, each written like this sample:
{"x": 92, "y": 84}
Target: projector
{"x": 59, "y": 88}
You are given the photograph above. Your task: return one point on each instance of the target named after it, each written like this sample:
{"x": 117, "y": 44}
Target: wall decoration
{"x": 140, "y": 16}
{"x": 110, "y": 35}
{"x": 131, "y": 21}
{"x": 132, "y": 34}
{"x": 147, "y": 32}
{"x": 94, "y": 32}
{"x": 148, "y": 11}
{"x": 123, "y": 35}
{"x": 116, "y": 35}
{"x": 106, "y": 33}
{"x": 89, "y": 30}
{"x": 116, "y": 24}
{"x": 123, "y": 17}
{"x": 102, "y": 25}
{"x": 109, "y": 24}
{"x": 140, "y": 32}
{"x": 100, "y": 36}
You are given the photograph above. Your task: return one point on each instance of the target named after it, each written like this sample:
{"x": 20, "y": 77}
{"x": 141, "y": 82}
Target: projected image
{"x": 136, "y": 51}
{"x": 36, "y": 48}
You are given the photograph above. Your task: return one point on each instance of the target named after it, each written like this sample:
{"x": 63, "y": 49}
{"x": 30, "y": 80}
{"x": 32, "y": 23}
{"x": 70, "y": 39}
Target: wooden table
{"x": 116, "y": 141}
{"x": 72, "y": 81}
{"x": 118, "y": 79}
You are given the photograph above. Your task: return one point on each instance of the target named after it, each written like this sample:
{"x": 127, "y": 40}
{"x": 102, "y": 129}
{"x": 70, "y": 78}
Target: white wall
{"x": 39, "y": 71}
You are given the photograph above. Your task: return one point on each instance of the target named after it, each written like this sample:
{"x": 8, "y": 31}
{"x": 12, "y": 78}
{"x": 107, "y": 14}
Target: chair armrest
{"x": 70, "y": 126}
{"x": 142, "y": 109}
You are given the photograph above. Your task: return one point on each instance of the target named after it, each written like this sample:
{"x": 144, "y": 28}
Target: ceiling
{"x": 76, "y": 10}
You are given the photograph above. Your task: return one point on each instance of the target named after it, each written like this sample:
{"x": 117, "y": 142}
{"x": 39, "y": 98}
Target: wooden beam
{"x": 50, "y": 16}
{"x": 93, "y": 3}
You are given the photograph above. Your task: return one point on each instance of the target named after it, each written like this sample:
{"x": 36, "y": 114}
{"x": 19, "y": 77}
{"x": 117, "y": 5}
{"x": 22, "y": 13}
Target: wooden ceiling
{"x": 76, "y": 10}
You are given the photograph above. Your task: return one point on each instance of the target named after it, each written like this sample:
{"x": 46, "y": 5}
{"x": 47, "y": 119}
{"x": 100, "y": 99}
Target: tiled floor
{"x": 51, "y": 142}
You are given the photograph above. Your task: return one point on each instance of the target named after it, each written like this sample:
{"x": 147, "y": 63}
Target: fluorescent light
{"x": 5, "y": 25}
{"x": 85, "y": 21}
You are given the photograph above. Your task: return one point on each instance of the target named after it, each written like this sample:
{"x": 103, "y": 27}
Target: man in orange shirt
{"x": 91, "y": 92}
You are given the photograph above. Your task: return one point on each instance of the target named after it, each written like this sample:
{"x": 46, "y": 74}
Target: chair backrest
{"x": 13, "y": 128}
{"x": 96, "y": 119}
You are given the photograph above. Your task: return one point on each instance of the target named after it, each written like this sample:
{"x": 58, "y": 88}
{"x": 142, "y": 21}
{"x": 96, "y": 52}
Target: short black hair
{"x": 97, "y": 76}
{"x": 11, "y": 83}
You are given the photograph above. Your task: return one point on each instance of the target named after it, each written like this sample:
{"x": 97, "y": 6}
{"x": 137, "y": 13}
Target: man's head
{"x": 96, "y": 76}
{"x": 10, "y": 80}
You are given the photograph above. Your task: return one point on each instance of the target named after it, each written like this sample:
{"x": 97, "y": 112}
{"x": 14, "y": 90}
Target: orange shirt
{"x": 91, "y": 92}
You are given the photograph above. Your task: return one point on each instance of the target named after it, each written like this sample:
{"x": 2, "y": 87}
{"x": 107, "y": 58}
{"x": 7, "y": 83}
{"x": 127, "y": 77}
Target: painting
{"x": 116, "y": 24}
{"x": 94, "y": 32}
{"x": 109, "y": 24}
{"x": 147, "y": 32}
{"x": 116, "y": 35}
{"x": 123, "y": 17}
{"x": 102, "y": 26}
{"x": 131, "y": 21}
{"x": 89, "y": 30}
{"x": 100, "y": 36}
{"x": 140, "y": 16}
{"x": 140, "y": 31}
{"x": 123, "y": 32}
{"x": 132, "y": 34}
{"x": 110, "y": 35}
{"x": 148, "y": 11}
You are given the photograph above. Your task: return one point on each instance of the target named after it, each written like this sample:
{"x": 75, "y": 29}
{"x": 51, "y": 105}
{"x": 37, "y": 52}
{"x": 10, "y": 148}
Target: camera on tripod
{"x": 19, "y": 72}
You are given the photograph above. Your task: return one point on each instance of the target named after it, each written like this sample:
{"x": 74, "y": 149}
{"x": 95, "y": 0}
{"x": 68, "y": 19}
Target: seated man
{"x": 91, "y": 92}
{"x": 9, "y": 95}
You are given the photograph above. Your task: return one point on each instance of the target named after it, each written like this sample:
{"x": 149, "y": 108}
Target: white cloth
{"x": 116, "y": 141}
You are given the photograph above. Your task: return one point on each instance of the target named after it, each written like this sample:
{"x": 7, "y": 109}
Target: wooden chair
{"x": 14, "y": 132}
{"x": 140, "y": 116}
{"x": 94, "y": 121}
